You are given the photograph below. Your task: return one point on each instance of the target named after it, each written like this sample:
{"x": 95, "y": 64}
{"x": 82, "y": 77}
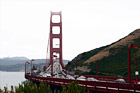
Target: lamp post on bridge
{"x": 129, "y": 58}
{"x": 31, "y": 65}
{"x": 25, "y": 66}
{"x": 96, "y": 67}
{"x": 136, "y": 73}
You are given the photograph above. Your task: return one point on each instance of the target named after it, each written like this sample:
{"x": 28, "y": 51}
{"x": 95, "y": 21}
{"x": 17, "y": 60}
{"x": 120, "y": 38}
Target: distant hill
{"x": 18, "y": 63}
{"x": 112, "y": 59}
{"x": 15, "y": 58}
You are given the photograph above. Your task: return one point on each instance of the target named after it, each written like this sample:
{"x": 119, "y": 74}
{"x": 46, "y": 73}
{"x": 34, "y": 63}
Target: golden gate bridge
{"x": 55, "y": 74}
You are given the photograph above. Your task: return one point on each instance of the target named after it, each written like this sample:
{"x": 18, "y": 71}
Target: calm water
{"x": 11, "y": 78}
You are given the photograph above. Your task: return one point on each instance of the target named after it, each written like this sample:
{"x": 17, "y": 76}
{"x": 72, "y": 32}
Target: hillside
{"x": 112, "y": 59}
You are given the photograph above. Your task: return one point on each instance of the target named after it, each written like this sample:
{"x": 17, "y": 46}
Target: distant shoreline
{"x": 2, "y": 71}
{"x": 11, "y": 71}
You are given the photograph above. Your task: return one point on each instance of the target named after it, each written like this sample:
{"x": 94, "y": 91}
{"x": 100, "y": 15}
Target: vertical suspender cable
{"x": 47, "y": 50}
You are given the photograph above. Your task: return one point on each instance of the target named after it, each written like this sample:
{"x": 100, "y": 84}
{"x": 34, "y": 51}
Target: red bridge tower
{"x": 55, "y": 39}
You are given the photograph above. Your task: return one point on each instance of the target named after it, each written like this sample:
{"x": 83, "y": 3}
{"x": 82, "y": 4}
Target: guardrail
{"x": 104, "y": 86}
{"x": 110, "y": 78}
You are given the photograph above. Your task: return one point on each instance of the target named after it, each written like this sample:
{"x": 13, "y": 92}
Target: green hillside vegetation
{"x": 29, "y": 87}
{"x": 116, "y": 64}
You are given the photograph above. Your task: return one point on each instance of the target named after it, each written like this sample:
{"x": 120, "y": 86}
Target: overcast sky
{"x": 87, "y": 24}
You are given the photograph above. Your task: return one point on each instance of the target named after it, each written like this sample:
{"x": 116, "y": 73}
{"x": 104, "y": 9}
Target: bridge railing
{"x": 91, "y": 85}
{"x": 109, "y": 78}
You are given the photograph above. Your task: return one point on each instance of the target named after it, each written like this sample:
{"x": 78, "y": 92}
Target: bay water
{"x": 11, "y": 78}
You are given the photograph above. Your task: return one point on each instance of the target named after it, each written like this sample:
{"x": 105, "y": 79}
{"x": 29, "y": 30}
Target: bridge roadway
{"x": 104, "y": 86}
{"x": 90, "y": 82}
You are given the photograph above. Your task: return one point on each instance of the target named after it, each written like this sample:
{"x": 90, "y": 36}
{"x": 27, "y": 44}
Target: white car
{"x": 92, "y": 79}
{"x": 120, "y": 80}
{"x": 47, "y": 75}
{"x": 42, "y": 73}
{"x": 69, "y": 77}
{"x": 81, "y": 78}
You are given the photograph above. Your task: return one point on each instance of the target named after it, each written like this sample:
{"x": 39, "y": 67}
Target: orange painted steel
{"x": 89, "y": 85}
{"x": 59, "y": 37}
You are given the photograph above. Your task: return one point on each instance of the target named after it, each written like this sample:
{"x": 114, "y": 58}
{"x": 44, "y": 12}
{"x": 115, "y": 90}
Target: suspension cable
{"x": 47, "y": 50}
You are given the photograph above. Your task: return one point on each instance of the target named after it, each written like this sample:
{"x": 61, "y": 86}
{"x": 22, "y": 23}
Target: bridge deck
{"x": 104, "y": 86}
